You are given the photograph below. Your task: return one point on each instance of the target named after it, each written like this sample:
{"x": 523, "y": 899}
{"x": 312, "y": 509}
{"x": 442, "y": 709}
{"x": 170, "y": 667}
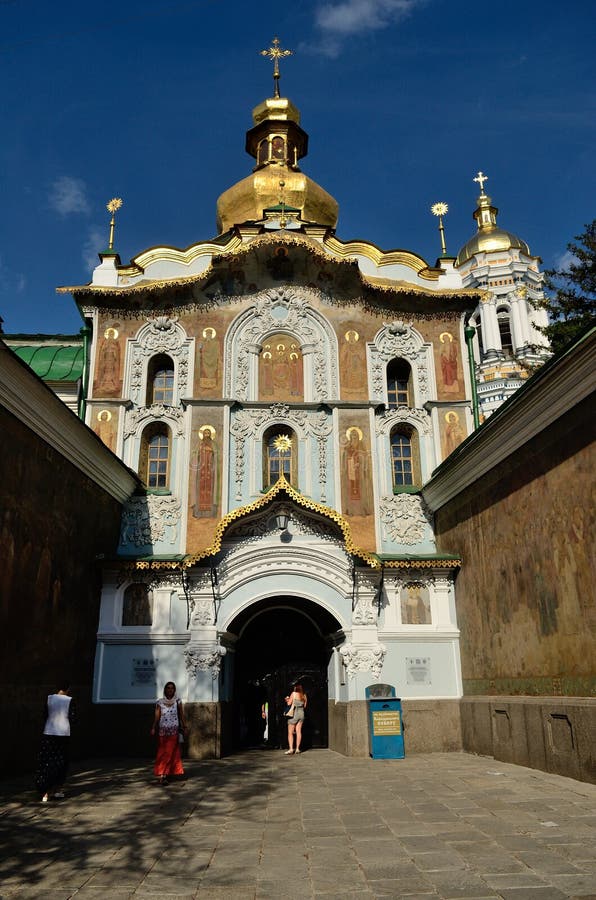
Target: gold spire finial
{"x": 275, "y": 53}
{"x": 113, "y": 206}
{"x": 441, "y": 209}
{"x": 282, "y": 203}
{"x": 480, "y": 179}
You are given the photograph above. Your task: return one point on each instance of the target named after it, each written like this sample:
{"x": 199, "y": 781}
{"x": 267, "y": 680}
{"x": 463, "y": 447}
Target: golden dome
{"x": 246, "y": 200}
{"x": 277, "y": 142}
{"x": 489, "y": 241}
{"x": 489, "y": 238}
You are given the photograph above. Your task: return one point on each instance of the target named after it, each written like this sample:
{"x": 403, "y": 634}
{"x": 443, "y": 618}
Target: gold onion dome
{"x": 277, "y": 142}
{"x": 489, "y": 238}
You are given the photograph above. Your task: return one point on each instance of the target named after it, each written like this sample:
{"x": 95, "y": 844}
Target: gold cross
{"x": 481, "y": 178}
{"x": 276, "y": 53}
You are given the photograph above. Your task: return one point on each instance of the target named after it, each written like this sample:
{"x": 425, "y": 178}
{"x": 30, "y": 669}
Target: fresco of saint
{"x": 205, "y": 475}
{"x": 355, "y": 467}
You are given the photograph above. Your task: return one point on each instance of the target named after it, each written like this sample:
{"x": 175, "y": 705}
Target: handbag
{"x": 290, "y": 712}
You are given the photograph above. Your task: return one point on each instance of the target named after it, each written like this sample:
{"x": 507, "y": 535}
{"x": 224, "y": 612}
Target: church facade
{"x": 284, "y": 396}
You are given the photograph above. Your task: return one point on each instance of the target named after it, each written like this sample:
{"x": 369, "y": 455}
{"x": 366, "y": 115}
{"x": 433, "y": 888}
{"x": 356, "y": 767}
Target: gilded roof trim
{"x": 308, "y": 244}
{"x": 281, "y": 484}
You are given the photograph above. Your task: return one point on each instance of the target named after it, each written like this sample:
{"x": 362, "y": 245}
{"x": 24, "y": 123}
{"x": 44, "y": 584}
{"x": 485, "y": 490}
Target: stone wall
{"x": 430, "y": 726}
{"x": 555, "y": 734}
{"x": 55, "y": 523}
{"x": 525, "y": 592}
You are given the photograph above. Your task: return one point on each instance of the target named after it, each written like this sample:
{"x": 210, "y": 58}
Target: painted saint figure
{"x": 108, "y": 369}
{"x": 356, "y": 472}
{"x": 208, "y": 358}
{"x": 352, "y": 363}
{"x": 205, "y": 475}
{"x": 454, "y": 433}
{"x": 449, "y": 370}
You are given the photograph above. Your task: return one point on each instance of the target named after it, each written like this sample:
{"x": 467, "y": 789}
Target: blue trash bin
{"x": 385, "y": 729}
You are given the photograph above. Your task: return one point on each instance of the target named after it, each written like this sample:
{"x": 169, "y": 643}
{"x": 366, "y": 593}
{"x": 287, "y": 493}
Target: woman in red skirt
{"x": 168, "y": 724}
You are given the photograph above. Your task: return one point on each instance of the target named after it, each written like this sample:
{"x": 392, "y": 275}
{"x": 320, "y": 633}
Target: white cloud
{"x": 564, "y": 260}
{"x": 68, "y": 195}
{"x": 97, "y": 240}
{"x": 337, "y": 21}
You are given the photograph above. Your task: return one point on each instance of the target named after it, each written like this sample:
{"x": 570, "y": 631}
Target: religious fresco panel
{"x": 105, "y": 425}
{"x": 109, "y": 361}
{"x": 452, "y": 429}
{"x": 355, "y": 462}
{"x": 208, "y": 331}
{"x": 449, "y": 357}
{"x": 352, "y": 361}
{"x": 281, "y": 374}
{"x": 205, "y": 477}
{"x": 415, "y": 604}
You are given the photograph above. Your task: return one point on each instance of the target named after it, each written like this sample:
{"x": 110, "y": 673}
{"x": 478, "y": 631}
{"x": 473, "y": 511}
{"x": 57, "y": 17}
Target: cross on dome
{"x": 481, "y": 178}
{"x": 276, "y": 53}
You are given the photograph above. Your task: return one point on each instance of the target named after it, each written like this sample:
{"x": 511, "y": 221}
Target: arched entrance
{"x": 281, "y": 640}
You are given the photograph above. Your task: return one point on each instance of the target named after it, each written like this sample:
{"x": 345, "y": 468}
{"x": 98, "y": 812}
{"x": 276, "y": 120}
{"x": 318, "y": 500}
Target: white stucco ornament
{"x": 198, "y": 660}
{"x": 363, "y": 658}
{"x": 146, "y": 519}
{"x": 202, "y": 611}
{"x": 404, "y": 518}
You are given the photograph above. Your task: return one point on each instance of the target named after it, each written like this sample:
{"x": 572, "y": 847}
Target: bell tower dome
{"x": 276, "y": 142}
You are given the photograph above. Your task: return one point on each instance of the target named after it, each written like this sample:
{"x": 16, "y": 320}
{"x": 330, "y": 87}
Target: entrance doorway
{"x": 280, "y": 641}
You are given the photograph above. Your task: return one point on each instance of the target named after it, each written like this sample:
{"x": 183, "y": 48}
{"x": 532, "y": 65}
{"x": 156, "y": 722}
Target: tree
{"x": 571, "y": 291}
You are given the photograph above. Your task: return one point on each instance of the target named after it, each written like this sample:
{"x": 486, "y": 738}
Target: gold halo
{"x": 348, "y": 335}
{"x": 209, "y": 332}
{"x": 451, "y": 413}
{"x": 445, "y": 334}
{"x": 104, "y": 415}
{"x": 205, "y": 428}
{"x": 111, "y": 334}
{"x": 356, "y": 429}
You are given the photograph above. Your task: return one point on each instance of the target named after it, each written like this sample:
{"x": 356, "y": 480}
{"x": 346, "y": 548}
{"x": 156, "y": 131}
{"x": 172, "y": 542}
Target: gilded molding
{"x": 340, "y": 254}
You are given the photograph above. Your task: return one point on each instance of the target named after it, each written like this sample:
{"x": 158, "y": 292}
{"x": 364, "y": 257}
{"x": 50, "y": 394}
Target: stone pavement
{"x": 264, "y": 825}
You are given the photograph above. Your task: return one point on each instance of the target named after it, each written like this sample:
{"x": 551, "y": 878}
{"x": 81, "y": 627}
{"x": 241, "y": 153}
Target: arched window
{"x": 278, "y": 148}
{"x": 405, "y": 457}
{"x": 263, "y": 152}
{"x": 160, "y": 380}
{"x": 399, "y": 384}
{"x": 280, "y": 455}
{"x": 137, "y": 605}
{"x": 154, "y": 460}
{"x": 504, "y": 322}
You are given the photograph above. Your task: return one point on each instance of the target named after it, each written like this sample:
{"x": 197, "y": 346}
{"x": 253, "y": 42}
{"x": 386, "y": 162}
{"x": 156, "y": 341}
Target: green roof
{"x": 53, "y": 362}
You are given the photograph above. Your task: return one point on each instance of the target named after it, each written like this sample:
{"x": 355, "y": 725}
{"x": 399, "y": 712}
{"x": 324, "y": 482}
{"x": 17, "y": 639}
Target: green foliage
{"x": 571, "y": 292}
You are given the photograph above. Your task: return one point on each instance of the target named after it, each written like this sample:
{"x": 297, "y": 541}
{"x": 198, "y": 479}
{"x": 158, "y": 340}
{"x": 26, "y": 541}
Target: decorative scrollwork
{"x": 405, "y": 518}
{"x": 363, "y": 658}
{"x": 135, "y": 418}
{"x": 145, "y": 520}
{"x": 198, "y": 659}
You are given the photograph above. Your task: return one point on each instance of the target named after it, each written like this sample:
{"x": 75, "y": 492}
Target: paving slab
{"x": 261, "y": 826}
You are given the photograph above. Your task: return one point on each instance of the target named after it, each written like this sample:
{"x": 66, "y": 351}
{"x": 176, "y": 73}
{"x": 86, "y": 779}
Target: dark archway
{"x": 280, "y": 641}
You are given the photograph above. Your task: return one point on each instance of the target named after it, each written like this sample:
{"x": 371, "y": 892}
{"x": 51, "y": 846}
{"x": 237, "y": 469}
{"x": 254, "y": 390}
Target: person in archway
{"x": 298, "y": 702}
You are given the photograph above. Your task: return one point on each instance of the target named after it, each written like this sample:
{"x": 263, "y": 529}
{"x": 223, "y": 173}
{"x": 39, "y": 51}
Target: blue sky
{"x": 404, "y": 101}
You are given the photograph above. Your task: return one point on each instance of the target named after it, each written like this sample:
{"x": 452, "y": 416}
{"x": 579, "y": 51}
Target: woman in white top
{"x": 169, "y": 726}
{"x": 52, "y": 764}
